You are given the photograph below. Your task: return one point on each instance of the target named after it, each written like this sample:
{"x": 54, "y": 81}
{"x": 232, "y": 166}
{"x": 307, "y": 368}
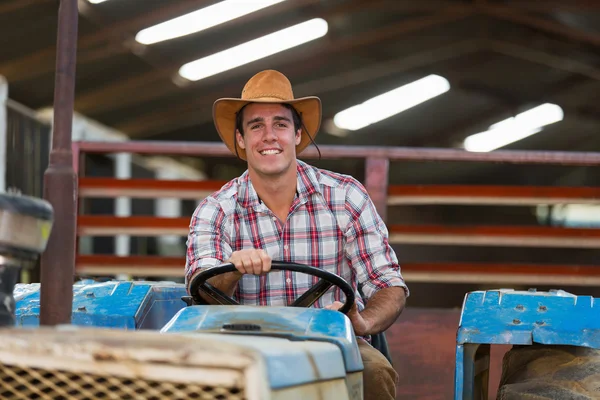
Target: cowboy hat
{"x": 267, "y": 86}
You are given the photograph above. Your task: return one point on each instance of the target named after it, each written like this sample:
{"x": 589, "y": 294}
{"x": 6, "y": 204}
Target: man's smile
{"x": 270, "y": 152}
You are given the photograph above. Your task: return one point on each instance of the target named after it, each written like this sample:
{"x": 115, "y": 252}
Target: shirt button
{"x": 274, "y": 218}
{"x": 285, "y": 247}
{"x": 288, "y": 280}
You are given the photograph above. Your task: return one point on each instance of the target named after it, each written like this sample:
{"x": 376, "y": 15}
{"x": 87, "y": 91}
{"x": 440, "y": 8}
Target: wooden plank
{"x": 107, "y": 225}
{"x": 147, "y": 188}
{"x": 397, "y": 194}
{"x": 491, "y": 195}
{"x": 519, "y": 236}
{"x": 102, "y": 265}
{"x": 507, "y": 273}
{"x": 579, "y": 275}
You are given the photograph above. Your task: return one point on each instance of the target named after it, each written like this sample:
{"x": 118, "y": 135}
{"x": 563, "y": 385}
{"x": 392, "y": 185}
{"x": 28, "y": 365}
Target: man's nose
{"x": 269, "y": 134}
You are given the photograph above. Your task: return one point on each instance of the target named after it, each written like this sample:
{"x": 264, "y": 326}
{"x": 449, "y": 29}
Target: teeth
{"x": 265, "y": 152}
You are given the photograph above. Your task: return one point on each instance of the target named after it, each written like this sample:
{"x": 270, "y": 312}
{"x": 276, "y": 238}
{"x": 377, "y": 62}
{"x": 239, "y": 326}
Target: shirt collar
{"x": 307, "y": 185}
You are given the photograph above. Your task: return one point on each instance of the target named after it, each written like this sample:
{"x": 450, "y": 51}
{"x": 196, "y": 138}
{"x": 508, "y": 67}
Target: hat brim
{"x": 224, "y": 116}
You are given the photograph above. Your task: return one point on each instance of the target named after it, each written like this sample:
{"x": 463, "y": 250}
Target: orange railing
{"x": 376, "y": 180}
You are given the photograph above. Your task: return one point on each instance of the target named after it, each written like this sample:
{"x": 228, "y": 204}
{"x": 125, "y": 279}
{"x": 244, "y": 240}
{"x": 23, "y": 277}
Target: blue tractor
{"x": 150, "y": 340}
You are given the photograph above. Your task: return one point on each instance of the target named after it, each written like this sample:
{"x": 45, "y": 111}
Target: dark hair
{"x": 296, "y": 117}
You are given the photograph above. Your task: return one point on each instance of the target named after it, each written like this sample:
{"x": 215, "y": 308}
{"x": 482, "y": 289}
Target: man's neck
{"x": 276, "y": 192}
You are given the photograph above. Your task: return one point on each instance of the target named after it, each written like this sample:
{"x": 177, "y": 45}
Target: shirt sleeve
{"x": 208, "y": 242}
{"x": 367, "y": 245}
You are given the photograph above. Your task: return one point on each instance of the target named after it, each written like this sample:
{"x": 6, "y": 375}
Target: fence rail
{"x": 377, "y": 163}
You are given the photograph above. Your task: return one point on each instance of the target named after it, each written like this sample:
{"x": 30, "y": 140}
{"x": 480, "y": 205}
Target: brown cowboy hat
{"x": 266, "y": 87}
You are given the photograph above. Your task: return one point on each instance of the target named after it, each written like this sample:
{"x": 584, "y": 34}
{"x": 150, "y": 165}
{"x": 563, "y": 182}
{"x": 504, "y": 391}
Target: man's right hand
{"x": 251, "y": 261}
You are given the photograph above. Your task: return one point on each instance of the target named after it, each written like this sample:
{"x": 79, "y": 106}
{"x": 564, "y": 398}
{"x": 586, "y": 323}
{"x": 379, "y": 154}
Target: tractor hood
{"x": 250, "y": 323}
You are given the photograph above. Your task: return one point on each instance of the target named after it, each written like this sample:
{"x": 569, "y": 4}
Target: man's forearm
{"x": 383, "y": 309}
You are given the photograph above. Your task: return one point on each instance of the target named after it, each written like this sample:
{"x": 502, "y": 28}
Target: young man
{"x": 284, "y": 209}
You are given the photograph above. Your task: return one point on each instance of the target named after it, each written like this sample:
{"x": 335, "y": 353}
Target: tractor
{"x": 151, "y": 340}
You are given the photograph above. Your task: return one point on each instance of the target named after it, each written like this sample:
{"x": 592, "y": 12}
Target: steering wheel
{"x": 313, "y": 294}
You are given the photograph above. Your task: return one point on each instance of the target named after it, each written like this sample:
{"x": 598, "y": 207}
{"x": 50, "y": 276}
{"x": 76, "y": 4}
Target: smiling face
{"x": 269, "y": 138}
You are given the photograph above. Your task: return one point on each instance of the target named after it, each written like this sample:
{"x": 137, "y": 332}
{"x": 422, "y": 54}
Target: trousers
{"x": 379, "y": 377}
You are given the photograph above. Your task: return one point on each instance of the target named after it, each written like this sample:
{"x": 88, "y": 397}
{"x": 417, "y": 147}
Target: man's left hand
{"x": 360, "y": 325}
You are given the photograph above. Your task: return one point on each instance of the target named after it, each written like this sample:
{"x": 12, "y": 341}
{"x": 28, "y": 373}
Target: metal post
{"x": 60, "y": 186}
{"x": 376, "y": 183}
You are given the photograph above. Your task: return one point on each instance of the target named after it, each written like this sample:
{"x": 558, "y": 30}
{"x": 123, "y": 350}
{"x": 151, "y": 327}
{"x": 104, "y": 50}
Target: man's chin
{"x": 272, "y": 170}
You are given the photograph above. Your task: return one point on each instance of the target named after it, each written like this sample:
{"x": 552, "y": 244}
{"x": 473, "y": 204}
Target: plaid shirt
{"x": 332, "y": 224}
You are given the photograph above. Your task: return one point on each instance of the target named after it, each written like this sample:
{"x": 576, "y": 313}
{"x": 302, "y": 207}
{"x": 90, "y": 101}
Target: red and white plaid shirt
{"x": 332, "y": 225}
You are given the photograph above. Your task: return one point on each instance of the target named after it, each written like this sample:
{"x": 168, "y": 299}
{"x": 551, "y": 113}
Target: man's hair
{"x": 239, "y": 118}
{"x": 296, "y": 117}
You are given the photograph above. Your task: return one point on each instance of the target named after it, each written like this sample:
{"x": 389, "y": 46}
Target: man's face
{"x": 269, "y": 138}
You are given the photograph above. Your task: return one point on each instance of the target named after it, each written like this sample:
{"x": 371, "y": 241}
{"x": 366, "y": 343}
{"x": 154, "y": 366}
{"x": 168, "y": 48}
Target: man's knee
{"x": 379, "y": 377}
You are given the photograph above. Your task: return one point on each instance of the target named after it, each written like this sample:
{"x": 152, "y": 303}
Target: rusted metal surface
{"x": 376, "y": 183}
{"x": 57, "y": 263}
{"x": 215, "y": 149}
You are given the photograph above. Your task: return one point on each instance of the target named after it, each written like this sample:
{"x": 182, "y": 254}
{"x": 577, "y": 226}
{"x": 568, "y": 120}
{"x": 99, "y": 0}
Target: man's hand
{"x": 251, "y": 261}
{"x": 360, "y": 325}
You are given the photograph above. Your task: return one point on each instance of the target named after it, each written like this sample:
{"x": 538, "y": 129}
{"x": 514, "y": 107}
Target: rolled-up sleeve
{"x": 368, "y": 250}
{"x": 208, "y": 242}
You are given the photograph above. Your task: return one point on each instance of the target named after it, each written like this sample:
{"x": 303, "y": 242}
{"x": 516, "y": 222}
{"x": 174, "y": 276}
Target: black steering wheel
{"x": 313, "y": 294}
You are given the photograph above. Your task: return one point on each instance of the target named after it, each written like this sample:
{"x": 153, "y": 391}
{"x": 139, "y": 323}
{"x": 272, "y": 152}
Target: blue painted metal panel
{"x": 288, "y": 363}
{"x": 523, "y": 317}
{"x": 113, "y": 304}
{"x": 288, "y": 322}
{"x": 459, "y": 378}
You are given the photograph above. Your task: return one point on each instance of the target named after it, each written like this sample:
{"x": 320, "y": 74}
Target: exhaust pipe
{"x": 25, "y": 225}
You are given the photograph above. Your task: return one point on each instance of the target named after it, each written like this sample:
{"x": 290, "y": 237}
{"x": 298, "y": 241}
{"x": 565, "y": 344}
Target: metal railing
{"x": 376, "y": 180}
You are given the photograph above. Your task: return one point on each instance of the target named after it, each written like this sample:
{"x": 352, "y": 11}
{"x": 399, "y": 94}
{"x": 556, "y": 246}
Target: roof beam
{"x": 510, "y": 14}
{"x": 111, "y": 97}
{"x": 119, "y": 38}
{"x": 197, "y": 112}
{"x": 543, "y": 58}
{"x": 554, "y": 5}
{"x": 456, "y": 133}
{"x": 15, "y": 5}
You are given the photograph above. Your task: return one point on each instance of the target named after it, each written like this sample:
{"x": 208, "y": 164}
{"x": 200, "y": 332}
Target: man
{"x": 284, "y": 209}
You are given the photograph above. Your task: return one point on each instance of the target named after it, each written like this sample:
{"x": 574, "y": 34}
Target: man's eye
{"x": 255, "y": 127}
{"x": 282, "y": 125}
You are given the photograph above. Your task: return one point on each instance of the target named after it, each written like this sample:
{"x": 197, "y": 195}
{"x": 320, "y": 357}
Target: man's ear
{"x": 240, "y": 140}
{"x": 298, "y": 136}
